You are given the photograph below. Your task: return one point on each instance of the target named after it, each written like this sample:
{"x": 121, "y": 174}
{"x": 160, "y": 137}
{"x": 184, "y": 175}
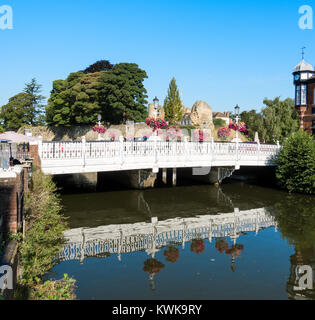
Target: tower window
{"x": 303, "y": 95}
{"x": 298, "y": 96}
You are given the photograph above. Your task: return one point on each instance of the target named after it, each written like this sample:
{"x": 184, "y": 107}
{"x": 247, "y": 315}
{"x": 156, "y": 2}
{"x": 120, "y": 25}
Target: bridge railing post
{"x": 84, "y": 150}
{"x": 121, "y": 143}
{"x": 258, "y": 151}
{"x": 40, "y": 146}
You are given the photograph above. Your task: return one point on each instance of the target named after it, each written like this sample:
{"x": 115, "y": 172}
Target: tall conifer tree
{"x": 173, "y": 106}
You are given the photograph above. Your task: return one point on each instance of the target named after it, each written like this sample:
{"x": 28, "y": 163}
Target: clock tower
{"x": 304, "y": 82}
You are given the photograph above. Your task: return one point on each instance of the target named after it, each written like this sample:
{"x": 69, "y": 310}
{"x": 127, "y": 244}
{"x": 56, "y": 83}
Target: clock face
{"x": 297, "y": 77}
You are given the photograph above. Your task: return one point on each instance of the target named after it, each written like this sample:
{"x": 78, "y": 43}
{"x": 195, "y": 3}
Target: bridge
{"x": 151, "y": 237}
{"x": 101, "y": 156}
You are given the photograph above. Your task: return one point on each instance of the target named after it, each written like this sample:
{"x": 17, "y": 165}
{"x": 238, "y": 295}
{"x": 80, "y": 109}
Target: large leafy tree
{"x": 122, "y": 94}
{"x": 74, "y": 101}
{"x": 117, "y": 93}
{"x": 281, "y": 119}
{"x": 18, "y": 112}
{"x": 102, "y": 65}
{"x": 277, "y": 120}
{"x": 296, "y": 164}
{"x": 173, "y": 106}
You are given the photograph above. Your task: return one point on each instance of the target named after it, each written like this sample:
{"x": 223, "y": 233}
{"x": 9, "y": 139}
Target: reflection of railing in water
{"x": 151, "y": 237}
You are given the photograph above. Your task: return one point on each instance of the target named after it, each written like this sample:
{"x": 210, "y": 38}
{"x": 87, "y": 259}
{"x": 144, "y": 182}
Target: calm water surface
{"x": 237, "y": 242}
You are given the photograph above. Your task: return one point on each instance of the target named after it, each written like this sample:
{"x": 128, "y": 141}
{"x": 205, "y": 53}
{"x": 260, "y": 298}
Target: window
{"x": 303, "y": 95}
{"x": 298, "y": 96}
{"x": 313, "y": 96}
{"x": 313, "y": 110}
{"x": 313, "y": 127}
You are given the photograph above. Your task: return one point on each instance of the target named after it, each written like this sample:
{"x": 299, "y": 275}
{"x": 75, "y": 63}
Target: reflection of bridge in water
{"x": 151, "y": 237}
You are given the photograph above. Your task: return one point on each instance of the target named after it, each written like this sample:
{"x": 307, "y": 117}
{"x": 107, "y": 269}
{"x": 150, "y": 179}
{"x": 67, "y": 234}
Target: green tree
{"x": 281, "y": 119}
{"x": 277, "y": 121}
{"x": 122, "y": 95}
{"x": 102, "y": 65}
{"x": 117, "y": 93}
{"x": 219, "y": 123}
{"x": 296, "y": 164}
{"x": 255, "y": 123}
{"x": 173, "y": 106}
{"x": 35, "y": 89}
{"x": 18, "y": 112}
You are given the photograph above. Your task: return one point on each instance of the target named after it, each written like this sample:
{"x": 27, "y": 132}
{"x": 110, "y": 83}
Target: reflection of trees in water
{"x": 197, "y": 246}
{"x": 221, "y": 245}
{"x": 296, "y": 221}
{"x": 171, "y": 254}
{"x": 235, "y": 251}
{"x": 153, "y": 267}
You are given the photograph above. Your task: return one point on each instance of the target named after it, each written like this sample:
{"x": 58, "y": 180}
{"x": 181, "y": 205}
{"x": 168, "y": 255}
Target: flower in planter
{"x": 174, "y": 133}
{"x": 112, "y": 135}
{"x": 153, "y": 266}
{"x": 200, "y": 135}
{"x": 224, "y": 133}
{"x": 171, "y": 254}
{"x": 197, "y": 246}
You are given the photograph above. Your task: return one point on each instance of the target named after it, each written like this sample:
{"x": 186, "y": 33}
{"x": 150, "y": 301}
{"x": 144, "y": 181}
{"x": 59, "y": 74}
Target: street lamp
{"x": 237, "y": 112}
{"x": 156, "y": 105}
{"x": 99, "y": 118}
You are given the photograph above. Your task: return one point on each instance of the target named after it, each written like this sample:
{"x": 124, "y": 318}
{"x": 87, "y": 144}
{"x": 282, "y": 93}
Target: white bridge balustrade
{"x": 101, "y": 156}
{"x": 152, "y": 237}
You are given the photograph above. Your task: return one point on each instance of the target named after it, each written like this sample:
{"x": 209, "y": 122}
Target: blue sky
{"x": 222, "y": 52}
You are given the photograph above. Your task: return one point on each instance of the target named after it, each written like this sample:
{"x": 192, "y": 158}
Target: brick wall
{"x": 12, "y": 200}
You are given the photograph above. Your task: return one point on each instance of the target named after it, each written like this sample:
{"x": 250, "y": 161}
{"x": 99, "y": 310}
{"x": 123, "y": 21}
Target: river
{"x": 239, "y": 241}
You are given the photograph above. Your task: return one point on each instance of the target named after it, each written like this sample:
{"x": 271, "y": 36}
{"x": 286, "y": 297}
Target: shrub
{"x": 43, "y": 228}
{"x": 218, "y": 123}
{"x": 296, "y": 164}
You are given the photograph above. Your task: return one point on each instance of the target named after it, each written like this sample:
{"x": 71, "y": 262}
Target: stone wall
{"x": 12, "y": 188}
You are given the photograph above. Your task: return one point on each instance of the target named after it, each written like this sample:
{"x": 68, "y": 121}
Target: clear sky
{"x": 222, "y": 52}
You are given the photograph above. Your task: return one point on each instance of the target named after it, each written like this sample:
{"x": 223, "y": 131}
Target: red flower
{"x": 99, "y": 129}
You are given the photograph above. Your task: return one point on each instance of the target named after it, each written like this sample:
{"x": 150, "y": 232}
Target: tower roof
{"x": 303, "y": 66}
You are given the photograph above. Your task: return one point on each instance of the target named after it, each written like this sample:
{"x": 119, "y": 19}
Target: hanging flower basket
{"x": 241, "y": 127}
{"x": 156, "y": 123}
{"x": 197, "y": 246}
{"x": 171, "y": 254}
{"x": 153, "y": 266}
{"x": 99, "y": 129}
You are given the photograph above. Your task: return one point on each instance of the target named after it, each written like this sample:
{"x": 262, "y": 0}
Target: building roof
{"x": 16, "y": 137}
{"x": 220, "y": 115}
{"x": 303, "y": 66}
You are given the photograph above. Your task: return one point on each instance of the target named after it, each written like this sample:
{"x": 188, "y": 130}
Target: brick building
{"x": 304, "y": 82}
